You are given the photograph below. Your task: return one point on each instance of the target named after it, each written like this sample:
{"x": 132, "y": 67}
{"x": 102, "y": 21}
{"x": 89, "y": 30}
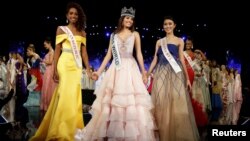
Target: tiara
{"x": 128, "y": 12}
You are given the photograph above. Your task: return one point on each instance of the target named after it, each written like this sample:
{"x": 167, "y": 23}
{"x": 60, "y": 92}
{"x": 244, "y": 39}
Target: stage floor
{"x": 30, "y": 117}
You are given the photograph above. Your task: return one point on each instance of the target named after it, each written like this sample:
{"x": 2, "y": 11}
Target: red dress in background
{"x": 200, "y": 115}
{"x": 149, "y": 87}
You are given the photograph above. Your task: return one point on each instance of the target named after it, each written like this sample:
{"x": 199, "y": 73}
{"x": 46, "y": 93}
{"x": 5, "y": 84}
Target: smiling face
{"x": 72, "y": 15}
{"x": 127, "y": 21}
{"x": 169, "y": 26}
{"x": 189, "y": 44}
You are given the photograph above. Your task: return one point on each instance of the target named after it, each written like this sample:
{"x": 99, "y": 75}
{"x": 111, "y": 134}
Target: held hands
{"x": 95, "y": 76}
{"x": 149, "y": 75}
{"x": 145, "y": 77}
{"x": 89, "y": 74}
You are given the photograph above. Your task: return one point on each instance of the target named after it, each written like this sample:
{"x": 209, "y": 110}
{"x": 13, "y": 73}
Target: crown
{"x": 128, "y": 12}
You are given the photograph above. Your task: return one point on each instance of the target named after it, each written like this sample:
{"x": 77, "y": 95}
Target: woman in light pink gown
{"x": 121, "y": 111}
{"x": 48, "y": 82}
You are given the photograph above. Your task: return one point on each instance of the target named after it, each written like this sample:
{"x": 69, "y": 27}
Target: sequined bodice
{"x": 126, "y": 46}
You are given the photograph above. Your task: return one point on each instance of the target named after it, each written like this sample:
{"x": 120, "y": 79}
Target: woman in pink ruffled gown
{"x": 122, "y": 108}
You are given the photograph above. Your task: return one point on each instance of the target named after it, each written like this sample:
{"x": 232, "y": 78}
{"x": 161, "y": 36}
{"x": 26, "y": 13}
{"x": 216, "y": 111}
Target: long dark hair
{"x": 81, "y": 22}
{"x": 120, "y": 26}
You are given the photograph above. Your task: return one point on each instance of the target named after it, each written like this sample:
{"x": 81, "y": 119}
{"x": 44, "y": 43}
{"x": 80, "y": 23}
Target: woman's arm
{"x": 139, "y": 53}
{"x": 154, "y": 61}
{"x": 106, "y": 59}
{"x": 57, "y": 55}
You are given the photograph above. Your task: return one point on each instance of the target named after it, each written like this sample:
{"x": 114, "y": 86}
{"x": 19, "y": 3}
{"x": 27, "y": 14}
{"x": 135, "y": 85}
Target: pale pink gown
{"x": 121, "y": 111}
{"x": 48, "y": 85}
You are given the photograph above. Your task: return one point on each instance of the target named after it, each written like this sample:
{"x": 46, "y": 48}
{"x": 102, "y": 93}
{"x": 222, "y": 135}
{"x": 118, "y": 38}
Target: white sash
{"x": 115, "y": 52}
{"x": 190, "y": 61}
{"x": 169, "y": 57}
{"x": 76, "y": 53}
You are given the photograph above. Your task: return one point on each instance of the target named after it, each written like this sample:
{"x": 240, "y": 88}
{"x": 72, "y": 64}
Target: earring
{"x": 67, "y": 21}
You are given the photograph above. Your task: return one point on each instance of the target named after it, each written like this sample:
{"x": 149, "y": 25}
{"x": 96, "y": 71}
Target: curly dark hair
{"x": 81, "y": 23}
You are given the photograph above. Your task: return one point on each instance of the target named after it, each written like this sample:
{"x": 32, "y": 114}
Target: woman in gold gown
{"x": 64, "y": 115}
{"x": 173, "y": 109}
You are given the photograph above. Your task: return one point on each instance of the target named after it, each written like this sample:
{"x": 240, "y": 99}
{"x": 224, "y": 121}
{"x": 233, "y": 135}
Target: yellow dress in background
{"x": 64, "y": 114}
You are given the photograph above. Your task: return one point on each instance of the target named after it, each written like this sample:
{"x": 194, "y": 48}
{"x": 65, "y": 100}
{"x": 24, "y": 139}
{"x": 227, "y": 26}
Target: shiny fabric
{"x": 64, "y": 115}
{"x": 173, "y": 109}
